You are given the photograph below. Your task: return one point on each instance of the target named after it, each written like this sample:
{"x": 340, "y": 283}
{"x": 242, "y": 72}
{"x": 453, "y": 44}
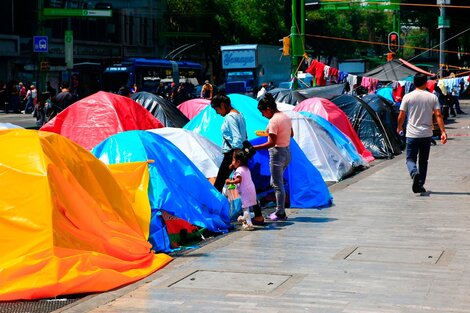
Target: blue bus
{"x": 148, "y": 73}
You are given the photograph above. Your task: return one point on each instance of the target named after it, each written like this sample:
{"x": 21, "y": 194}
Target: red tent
{"x": 192, "y": 107}
{"x": 329, "y": 111}
{"x": 93, "y": 119}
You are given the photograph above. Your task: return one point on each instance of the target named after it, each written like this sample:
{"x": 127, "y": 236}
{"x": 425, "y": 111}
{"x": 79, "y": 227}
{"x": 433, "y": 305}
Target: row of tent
{"x": 118, "y": 171}
{"x": 88, "y": 199}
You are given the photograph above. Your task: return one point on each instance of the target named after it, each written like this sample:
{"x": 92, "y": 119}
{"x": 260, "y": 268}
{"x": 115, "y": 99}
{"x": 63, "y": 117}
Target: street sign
{"x": 40, "y": 44}
{"x": 68, "y": 39}
{"x": 58, "y": 12}
{"x": 45, "y": 66}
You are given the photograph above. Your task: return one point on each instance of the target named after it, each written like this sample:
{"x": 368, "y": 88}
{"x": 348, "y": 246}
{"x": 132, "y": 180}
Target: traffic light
{"x": 286, "y": 46}
{"x": 393, "y": 42}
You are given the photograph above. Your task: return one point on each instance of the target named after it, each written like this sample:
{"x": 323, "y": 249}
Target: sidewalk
{"x": 380, "y": 248}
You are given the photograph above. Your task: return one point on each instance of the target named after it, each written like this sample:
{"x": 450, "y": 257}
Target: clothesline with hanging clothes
{"x": 324, "y": 74}
{"x": 453, "y": 86}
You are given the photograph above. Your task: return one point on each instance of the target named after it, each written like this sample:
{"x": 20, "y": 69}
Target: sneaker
{"x": 22, "y": 112}
{"x": 416, "y": 185}
{"x": 258, "y": 220}
{"x": 247, "y": 227}
{"x": 277, "y": 217}
{"x": 421, "y": 189}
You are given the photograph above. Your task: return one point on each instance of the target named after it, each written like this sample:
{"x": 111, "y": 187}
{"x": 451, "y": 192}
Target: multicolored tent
{"x": 176, "y": 185}
{"x": 208, "y": 123}
{"x": 305, "y": 186}
{"x": 205, "y": 154}
{"x": 302, "y": 194}
{"x": 373, "y": 133}
{"x": 331, "y": 112}
{"x": 162, "y": 109}
{"x": 93, "y": 119}
{"x": 191, "y": 108}
{"x": 319, "y": 148}
{"x": 68, "y": 224}
{"x": 342, "y": 141}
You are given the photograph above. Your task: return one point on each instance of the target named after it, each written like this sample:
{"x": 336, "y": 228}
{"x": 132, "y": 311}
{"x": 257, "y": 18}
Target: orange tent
{"x": 68, "y": 225}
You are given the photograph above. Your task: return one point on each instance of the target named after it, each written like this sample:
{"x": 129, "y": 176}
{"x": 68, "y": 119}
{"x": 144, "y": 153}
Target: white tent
{"x": 8, "y": 126}
{"x": 205, "y": 154}
{"x": 320, "y": 148}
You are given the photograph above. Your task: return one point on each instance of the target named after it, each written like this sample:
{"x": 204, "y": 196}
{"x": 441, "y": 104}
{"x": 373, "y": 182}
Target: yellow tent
{"x": 68, "y": 225}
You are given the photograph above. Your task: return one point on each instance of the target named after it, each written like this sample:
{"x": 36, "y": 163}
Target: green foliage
{"x": 356, "y": 24}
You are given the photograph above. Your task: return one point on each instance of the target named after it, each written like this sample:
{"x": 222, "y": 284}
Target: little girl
{"x": 246, "y": 188}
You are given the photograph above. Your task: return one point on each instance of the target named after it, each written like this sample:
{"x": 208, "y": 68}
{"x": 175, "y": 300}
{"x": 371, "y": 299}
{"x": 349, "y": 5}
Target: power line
{"x": 364, "y": 4}
{"x": 384, "y": 44}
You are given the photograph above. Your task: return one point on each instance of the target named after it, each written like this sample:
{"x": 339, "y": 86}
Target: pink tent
{"x": 329, "y": 111}
{"x": 95, "y": 118}
{"x": 192, "y": 107}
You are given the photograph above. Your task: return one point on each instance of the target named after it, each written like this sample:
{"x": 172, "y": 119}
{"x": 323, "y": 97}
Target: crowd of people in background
{"x": 21, "y": 98}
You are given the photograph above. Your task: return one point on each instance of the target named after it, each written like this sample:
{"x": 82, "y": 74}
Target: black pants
{"x": 224, "y": 171}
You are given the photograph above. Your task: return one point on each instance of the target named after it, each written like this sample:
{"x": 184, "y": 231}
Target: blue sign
{"x": 40, "y": 44}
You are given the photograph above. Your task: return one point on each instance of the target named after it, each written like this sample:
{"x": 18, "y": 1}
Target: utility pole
{"x": 442, "y": 24}
{"x": 297, "y": 40}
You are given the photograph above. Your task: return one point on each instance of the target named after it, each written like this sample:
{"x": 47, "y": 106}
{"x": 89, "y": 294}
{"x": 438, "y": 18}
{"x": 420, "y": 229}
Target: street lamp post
{"x": 442, "y": 24}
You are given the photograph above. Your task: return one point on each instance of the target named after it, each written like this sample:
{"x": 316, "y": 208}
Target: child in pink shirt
{"x": 241, "y": 177}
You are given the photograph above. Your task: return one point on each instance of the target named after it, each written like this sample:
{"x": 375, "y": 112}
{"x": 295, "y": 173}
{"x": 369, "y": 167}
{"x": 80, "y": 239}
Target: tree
{"x": 354, "y": 24}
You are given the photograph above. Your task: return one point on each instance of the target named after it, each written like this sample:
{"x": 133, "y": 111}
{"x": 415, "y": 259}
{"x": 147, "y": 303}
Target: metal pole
{"x": 442, "y": 25}
{"x": 294, "y": 39}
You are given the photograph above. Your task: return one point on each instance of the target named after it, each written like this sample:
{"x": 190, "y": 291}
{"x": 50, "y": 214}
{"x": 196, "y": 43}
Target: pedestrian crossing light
{"x": 393, "y": 42}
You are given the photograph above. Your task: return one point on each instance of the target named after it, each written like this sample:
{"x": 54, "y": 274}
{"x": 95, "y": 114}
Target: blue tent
{"x": 208, "y": 123}
{"x": 341, "y": 140}
{"x": 176, "y": 185}
{"x": 304, "y": 183}
{"x": 306, "y": 188}
{"x": 386, "y": 92}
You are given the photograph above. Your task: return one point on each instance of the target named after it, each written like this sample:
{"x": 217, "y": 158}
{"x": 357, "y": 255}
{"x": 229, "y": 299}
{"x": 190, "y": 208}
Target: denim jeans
{"x": 279, "y": 159}
{"x": 29, "y": 103}
{"x": 417, "y": 151}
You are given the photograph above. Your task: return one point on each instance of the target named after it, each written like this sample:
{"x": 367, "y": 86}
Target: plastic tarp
{"x": 319, "y": 148}
{"x": 165, "y": 111}
{"x": 282, "y": 95}
{"x": 395, "y": 70}
{"x": 191, "y": 108}
{"x": 208, "y": 124}
{"x": 176, "y": 185}
{"x": 68, "y": 225}
{"x": 205, "y": 154}
{"x": 94, "y": 118}
{"x": 331, "y": 112}
{"x": 305, "y": 185}
{"x": 387, "y": 93}
{"x": 8, "y": 126}
{"x": 342, "y": 141}
{"x": 368, "y": 126}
